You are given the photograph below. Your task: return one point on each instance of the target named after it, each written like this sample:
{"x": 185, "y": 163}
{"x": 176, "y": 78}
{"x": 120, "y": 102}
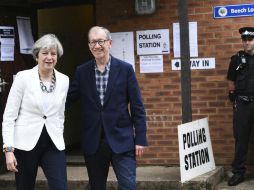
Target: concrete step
{"x": 148, "y": 178}
{"x": 248, "y": 183}
{"x": 75, "y": 160}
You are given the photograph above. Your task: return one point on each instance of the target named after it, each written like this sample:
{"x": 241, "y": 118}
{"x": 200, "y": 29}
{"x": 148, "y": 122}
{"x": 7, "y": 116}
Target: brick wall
{"x": 161, "y": 93}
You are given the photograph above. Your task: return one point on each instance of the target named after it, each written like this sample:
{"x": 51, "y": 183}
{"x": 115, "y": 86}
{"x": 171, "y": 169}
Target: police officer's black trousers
{"x": 243, "y": 121}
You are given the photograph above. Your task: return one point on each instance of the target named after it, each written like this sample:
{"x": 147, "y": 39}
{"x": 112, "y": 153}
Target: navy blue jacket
{"x": 124, "y": 126}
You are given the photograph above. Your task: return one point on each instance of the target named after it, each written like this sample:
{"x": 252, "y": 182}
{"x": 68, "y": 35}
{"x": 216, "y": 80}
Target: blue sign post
{"x": 228, "y": 11}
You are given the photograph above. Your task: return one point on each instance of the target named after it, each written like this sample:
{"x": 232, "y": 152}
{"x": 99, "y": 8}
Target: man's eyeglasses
{"x": 100, "y": 42}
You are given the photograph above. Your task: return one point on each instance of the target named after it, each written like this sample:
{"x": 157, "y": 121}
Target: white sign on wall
{"x": 151, "y": 64}
{"x": 123, "y": 47}
{"x": 26, "y": 40}
{"x": 153, "y": 42}
{"x": 195, "y": 149}
{"x": 7, "y": 43}
{"x": 201, "y": 63}
{"x": 193, "y": 39}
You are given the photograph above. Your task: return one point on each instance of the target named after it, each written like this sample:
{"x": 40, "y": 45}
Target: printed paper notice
{"x": 151, "y": 64}
{"x": 26, "y": 40}
{"x": 193, "y": 39}
{"x": 123, "y": 47}
{"x": 7, "y": 43}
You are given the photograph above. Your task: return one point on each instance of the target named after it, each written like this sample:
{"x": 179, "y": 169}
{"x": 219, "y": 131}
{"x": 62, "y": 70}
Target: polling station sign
{"x": 228, "y": 11}
{"x": 195, "y": 149}
{"x": 152, "y": 42}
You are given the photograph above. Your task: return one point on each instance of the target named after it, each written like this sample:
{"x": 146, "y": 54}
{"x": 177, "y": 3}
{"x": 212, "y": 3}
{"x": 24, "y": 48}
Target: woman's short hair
{"x": 46, "y": 42}
{"x": 96, "y": 28}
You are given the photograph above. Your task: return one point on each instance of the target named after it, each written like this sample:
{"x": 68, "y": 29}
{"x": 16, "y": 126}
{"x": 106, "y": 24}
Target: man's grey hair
{"x": 96, "y": 28}
{"x": 47, "y": 41}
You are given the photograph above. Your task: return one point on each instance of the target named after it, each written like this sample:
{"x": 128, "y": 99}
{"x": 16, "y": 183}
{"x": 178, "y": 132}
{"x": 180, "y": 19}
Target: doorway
{"x": 70, "y": 24}
{"x": 20, "y": 62}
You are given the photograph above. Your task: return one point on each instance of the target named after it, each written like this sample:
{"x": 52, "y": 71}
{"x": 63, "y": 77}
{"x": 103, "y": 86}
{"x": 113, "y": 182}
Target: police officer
{"x": 241, "y": 93}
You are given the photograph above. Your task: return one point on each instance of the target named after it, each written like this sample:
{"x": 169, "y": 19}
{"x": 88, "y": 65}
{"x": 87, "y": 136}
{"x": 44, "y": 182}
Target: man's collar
{"x": 107, "y": 66}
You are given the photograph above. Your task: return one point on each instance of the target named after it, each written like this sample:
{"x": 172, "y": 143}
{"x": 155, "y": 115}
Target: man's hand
{"x": 139, "y": 150}
{"x": 231, "y": 95}
{"x": 11, "y": 162}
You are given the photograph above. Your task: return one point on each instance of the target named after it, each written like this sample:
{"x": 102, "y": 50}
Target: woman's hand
{"x": 11, "y": 162}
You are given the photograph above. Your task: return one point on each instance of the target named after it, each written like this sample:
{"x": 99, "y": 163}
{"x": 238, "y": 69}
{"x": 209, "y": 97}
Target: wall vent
{"x": 144, "y": 7}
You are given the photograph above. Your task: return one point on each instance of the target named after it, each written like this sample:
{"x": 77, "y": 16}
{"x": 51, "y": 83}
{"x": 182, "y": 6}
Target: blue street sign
{"x": 228, "y": 11}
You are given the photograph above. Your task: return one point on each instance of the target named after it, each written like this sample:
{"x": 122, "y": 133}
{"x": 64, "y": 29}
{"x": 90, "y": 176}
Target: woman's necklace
{"x": 52, "y": 85}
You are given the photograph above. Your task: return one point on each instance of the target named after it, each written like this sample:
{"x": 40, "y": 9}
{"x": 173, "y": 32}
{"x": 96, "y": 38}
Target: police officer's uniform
{"x": 241, "y": 72}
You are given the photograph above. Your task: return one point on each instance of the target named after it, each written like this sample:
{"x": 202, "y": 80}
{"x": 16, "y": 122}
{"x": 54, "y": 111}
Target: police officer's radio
{"x": 241, "y": 61}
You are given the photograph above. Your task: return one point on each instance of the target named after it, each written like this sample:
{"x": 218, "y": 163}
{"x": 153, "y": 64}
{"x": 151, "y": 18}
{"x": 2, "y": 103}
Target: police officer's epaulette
{"x": 234, "y": 57}
{"x": 237, "y": 55}
{"x": 241, "y": 53}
